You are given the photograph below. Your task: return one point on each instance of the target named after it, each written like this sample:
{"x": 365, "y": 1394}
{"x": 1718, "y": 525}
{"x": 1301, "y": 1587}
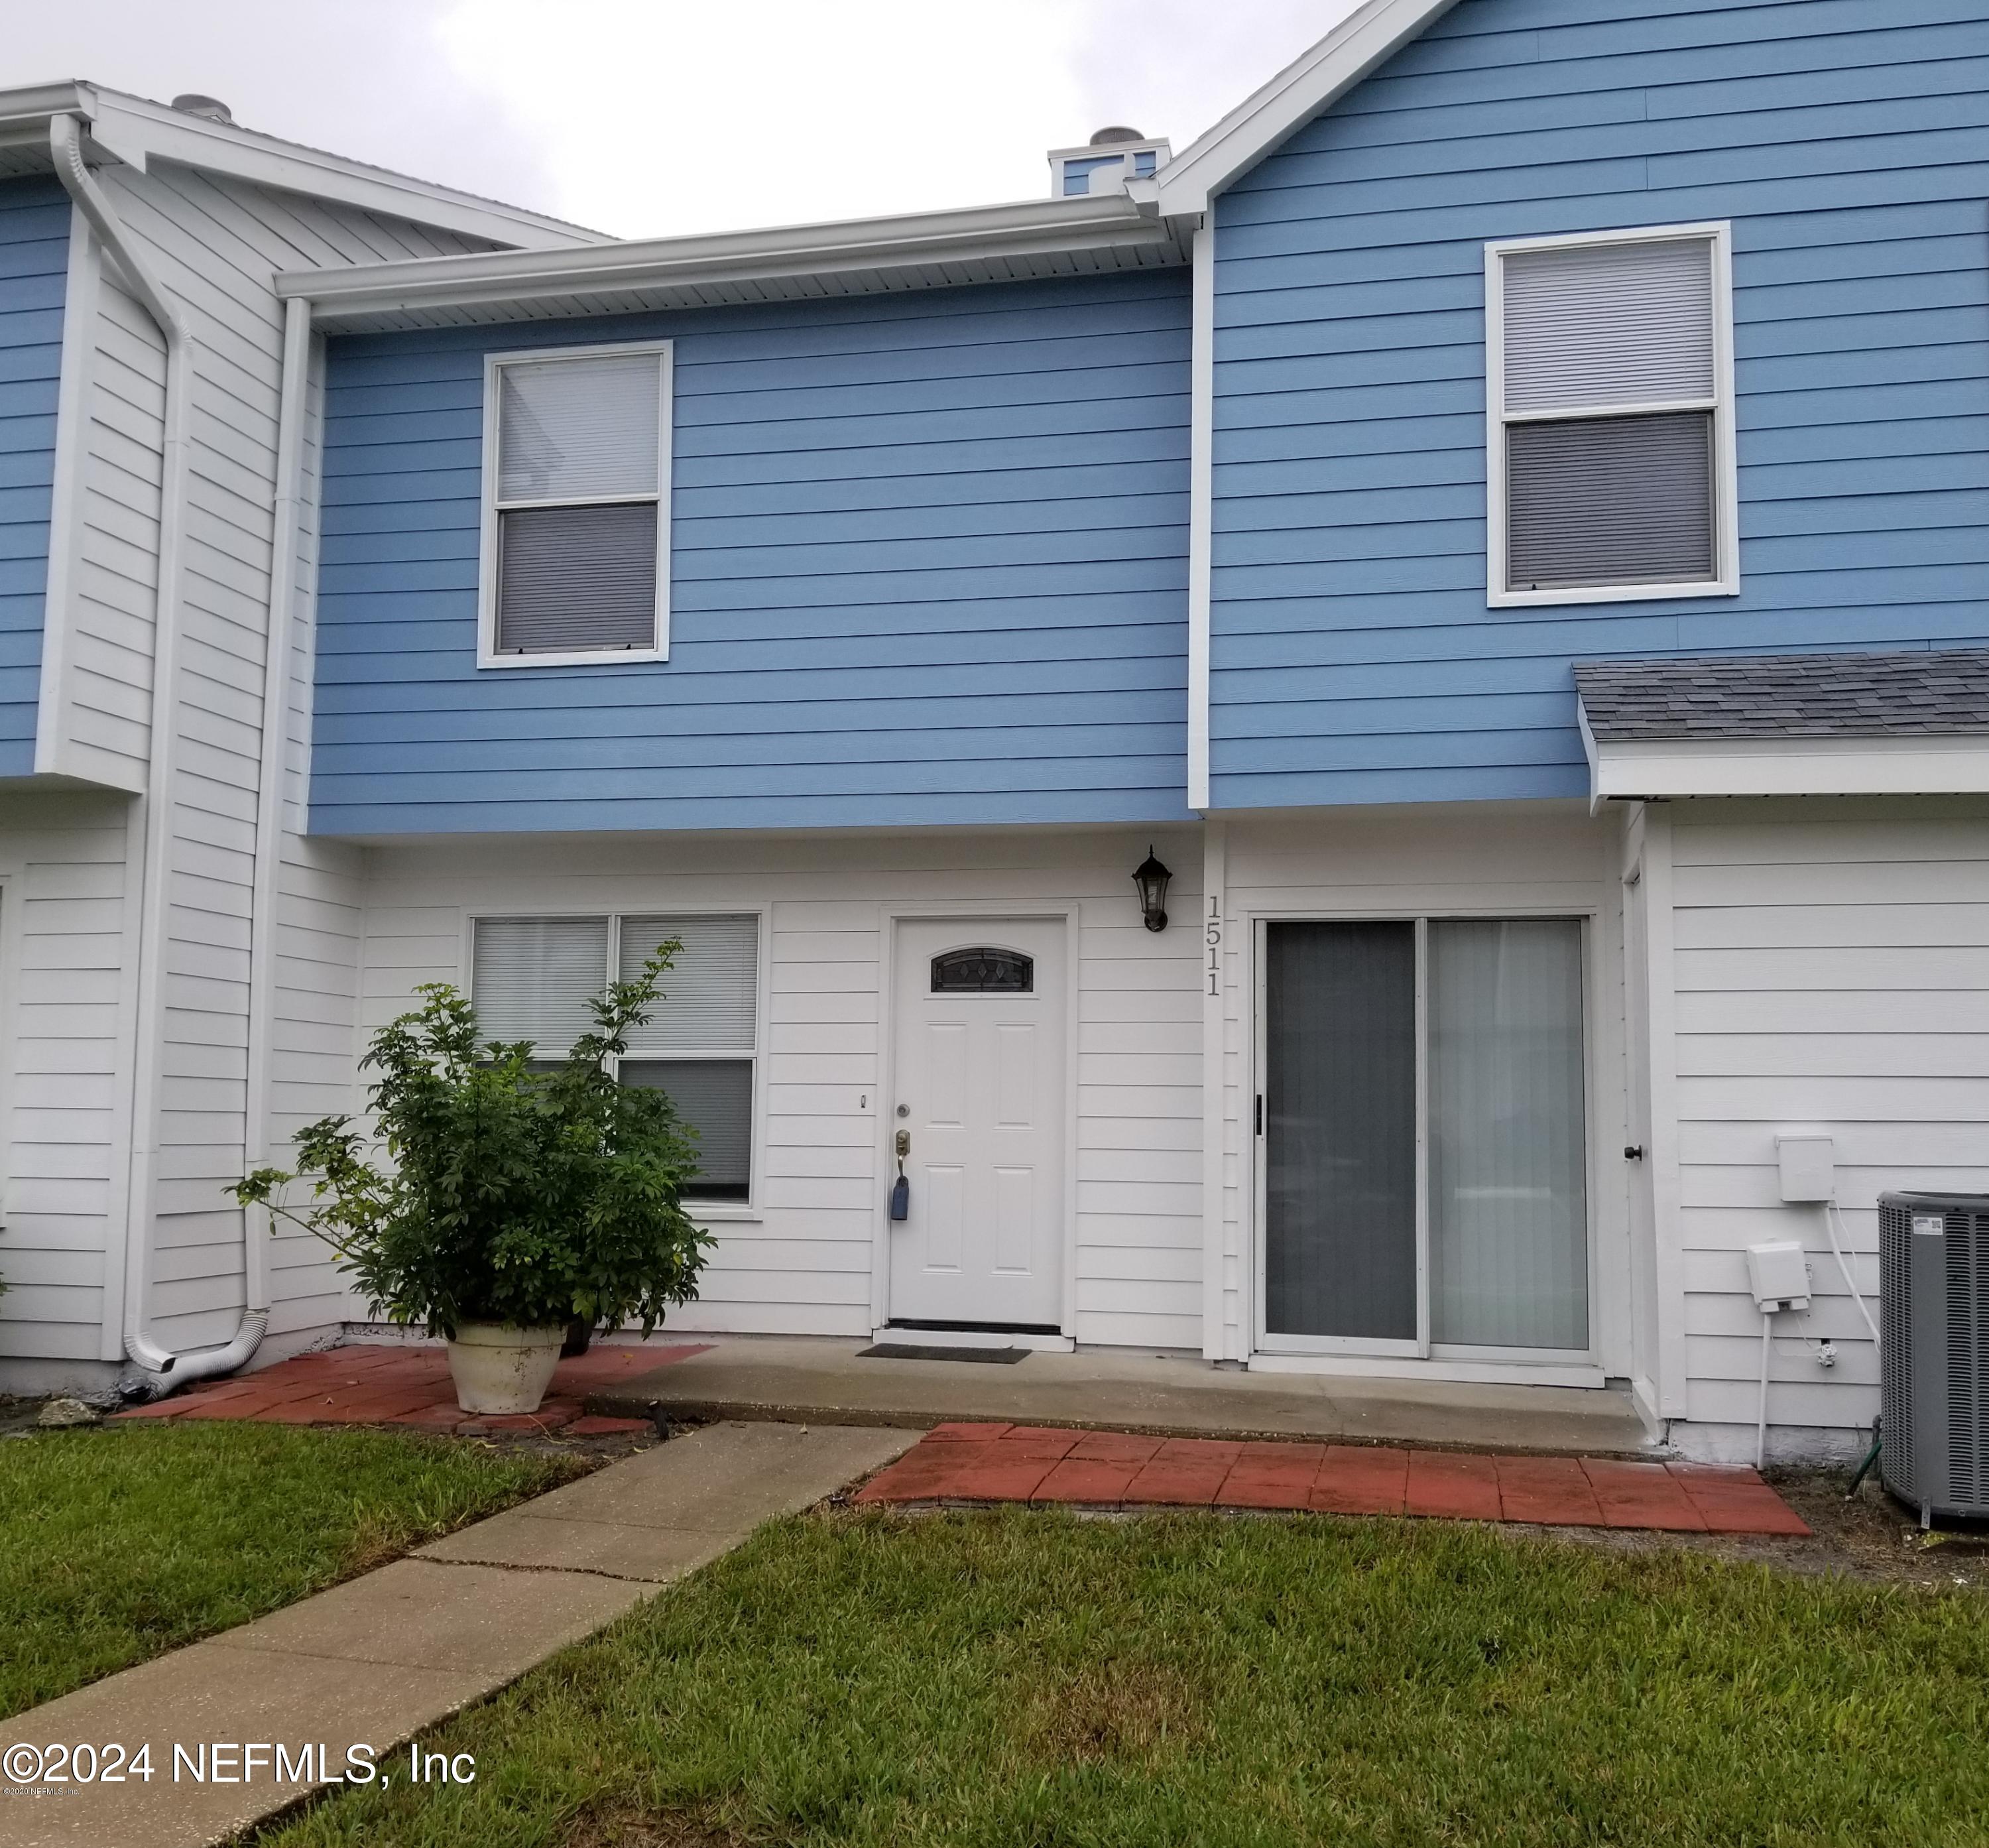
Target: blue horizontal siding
{"x": 928, "y": 564}
{"x": 34, "y": 271}
{"x": 1354, "y": 655}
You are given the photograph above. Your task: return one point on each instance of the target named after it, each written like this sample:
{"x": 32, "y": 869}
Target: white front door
{"x": 980, "y": 1094}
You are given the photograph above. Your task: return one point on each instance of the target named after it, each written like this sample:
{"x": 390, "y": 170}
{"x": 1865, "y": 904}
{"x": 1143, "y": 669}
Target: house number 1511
{"x": 1212, "y": 936}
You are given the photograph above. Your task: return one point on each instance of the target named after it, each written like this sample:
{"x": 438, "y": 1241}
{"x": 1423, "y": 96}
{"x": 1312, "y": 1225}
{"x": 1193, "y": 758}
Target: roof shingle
{"x": 1916, "y": 693}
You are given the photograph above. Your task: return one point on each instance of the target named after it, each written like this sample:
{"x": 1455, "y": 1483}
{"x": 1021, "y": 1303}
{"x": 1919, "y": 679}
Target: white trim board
{"x": 1201, "y": 512}
{"x": 1655, "y": 768}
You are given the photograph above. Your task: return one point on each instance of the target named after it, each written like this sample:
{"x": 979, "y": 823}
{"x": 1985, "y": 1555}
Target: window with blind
{"x": 1610, "y": 417}
{"x": 532, "y": 977}
{"x": 576, "y": 542}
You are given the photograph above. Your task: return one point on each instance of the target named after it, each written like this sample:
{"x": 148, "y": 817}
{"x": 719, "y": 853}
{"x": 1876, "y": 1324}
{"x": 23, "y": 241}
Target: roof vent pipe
{"x": 209, "y": 109}
{"x": 1105, "y": 137}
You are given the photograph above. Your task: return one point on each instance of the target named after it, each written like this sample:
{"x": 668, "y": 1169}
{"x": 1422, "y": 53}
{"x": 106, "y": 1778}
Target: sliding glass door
{"x": 1340, "y": 1129}
{"x": 1422, "y": 1136}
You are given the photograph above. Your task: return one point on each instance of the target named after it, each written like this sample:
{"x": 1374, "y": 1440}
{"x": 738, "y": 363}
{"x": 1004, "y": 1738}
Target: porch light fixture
{"x": 1152, "y": 878}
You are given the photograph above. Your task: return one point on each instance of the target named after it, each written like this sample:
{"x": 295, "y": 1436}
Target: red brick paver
{"x": 1453, "y": 1486}
{"x": 1642, "y": 1495}
{"x": 410, "y": 1385}
{"x": 1735, "y": 1500}
{"x": 1085, "y": 1482}
{"x": 1552, "y": 1491}
{"x": 1360, "y": 1478}
{"x": 1111, "y": 1469}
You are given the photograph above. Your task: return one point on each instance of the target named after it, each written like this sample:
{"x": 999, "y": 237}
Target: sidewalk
{"x": 383, "y": 1658}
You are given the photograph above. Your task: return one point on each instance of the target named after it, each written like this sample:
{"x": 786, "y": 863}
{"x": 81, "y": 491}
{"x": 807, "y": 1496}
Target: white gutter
{"x": 914, "y": 241}
{"x": 155, "y": 882}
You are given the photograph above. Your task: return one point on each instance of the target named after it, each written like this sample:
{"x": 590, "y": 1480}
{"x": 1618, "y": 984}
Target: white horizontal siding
{"x": 62, "y": 936}
{"x": 806, "y": 1263}
{"x": 216, "y": 244}
{"x": 1832, "y": 968}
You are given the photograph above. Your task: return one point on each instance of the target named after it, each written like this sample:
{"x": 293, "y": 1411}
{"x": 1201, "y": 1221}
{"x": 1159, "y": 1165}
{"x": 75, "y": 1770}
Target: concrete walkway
{"x": 806, "y": 1380}
{"x": 381, "y": 1659}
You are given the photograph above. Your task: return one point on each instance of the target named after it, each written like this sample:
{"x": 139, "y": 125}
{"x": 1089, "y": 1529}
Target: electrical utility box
{"x": 1778, "y": 1274}
{"x": 1809, "y": 1167}
{"x": 1933, "y": 1286}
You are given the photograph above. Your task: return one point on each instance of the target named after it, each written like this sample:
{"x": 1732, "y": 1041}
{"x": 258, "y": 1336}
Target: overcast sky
{"x": 650, "y": 117}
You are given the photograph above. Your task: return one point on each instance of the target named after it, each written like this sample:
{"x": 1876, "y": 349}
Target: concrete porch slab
{"x": 804, "y": 1380}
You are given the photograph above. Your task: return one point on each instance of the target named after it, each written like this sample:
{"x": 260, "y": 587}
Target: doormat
{"x": 987, "y": 1357}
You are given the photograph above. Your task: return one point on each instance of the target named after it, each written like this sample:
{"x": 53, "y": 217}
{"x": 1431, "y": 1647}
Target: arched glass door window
{"x": 982, "y": 970}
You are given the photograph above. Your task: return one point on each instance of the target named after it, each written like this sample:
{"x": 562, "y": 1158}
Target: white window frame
{"x": 704, "y": 1210}
{"x": 1725, "y": 582}
{"x": 487, "y": 654}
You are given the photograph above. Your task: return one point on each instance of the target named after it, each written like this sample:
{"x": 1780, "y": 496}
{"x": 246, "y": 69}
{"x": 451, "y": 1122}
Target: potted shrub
{"x": 516, "y": 1198}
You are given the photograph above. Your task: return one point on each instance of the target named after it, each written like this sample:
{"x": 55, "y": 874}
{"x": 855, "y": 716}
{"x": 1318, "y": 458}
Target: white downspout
{"x": 155, "y": 882}
{"x": 272, "y": 781}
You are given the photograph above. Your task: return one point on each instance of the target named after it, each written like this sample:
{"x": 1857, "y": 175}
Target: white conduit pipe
{"x": 153, "y": 877}
{"x": 1761, "y": 1418}
{"x": 1832, "y": 1228}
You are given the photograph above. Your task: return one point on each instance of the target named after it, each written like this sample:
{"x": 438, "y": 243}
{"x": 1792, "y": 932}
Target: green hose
{"x": 1865, "y": 1468}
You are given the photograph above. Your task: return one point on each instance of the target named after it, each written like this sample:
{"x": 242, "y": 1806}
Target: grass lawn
{"x": 117, "y": 1544}
{"x": 1028, "y": 1678}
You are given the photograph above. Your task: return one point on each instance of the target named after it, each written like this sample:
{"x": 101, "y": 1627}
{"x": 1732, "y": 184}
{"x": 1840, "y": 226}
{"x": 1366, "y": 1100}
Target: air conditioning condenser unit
{"x": 1933, "y": 1280}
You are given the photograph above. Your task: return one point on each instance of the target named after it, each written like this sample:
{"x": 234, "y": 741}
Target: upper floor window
{"x": 533, "y": 977}
{"x": 576, "y": 516}
{"x": 1610, "y": 416}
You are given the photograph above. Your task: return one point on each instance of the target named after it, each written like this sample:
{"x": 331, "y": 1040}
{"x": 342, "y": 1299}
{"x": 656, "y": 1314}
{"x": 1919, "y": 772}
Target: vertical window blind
{"x": 532, "y": 978}
{"x": 578, "y": 504}
{"x": 1508, "y": 1146}
{"x": 1610, "y": 396}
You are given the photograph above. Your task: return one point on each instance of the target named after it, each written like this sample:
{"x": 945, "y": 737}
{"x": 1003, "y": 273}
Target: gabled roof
{"x": 1372, "y": 33}
{"x": 134, "y": 130}
{"x": 1918, "y": 693}
{"x": 1146, "y": 226}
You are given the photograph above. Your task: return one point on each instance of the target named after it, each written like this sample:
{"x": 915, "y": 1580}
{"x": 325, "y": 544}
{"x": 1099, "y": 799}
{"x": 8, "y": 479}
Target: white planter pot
{"x": 498, "y": 1368}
